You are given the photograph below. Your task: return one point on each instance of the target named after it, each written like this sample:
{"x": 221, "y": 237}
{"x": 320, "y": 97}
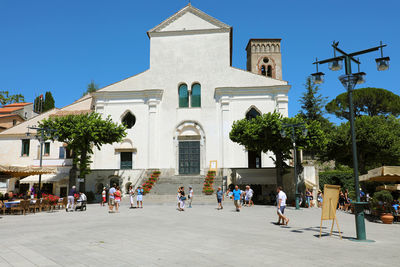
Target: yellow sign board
{"x": 213, "y": 165}
{"x": 329, "y": 204}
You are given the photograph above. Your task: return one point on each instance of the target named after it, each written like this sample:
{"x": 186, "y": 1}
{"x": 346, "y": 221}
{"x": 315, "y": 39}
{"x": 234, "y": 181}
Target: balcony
{"x": 53, "y": 162}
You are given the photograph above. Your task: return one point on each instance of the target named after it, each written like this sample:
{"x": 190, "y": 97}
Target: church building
{"x": 180, "y": 111}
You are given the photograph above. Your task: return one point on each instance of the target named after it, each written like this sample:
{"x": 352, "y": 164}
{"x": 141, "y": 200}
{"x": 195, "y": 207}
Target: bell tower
{"x": 264, "y": 57}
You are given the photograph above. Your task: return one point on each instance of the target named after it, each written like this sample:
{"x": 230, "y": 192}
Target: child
{"x": 220, "y": 198}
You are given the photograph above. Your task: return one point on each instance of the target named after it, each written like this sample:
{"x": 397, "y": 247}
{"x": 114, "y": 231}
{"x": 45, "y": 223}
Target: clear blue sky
{"x": 60, "y": 46}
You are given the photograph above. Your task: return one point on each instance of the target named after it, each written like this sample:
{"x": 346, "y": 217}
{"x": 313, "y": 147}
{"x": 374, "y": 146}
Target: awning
{"x": 46, "y": 178}
{"x": 390, "y": 187}
{"x": 309, "y": 185}
{"x": 20, "y": 171}
{"x": 382, "y": 174}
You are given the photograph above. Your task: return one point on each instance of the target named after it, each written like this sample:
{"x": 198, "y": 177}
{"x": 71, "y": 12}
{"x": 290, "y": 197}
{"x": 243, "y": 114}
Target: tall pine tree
{"x": 48, "y": 102}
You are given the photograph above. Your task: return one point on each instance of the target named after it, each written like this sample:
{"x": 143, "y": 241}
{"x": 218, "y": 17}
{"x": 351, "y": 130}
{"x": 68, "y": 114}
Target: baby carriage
{"x": 81, "y": 203}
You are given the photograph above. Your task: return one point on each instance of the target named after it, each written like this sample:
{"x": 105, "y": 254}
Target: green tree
{"x": 263, "y": 134}
{"x": 367, "y": 101}
{"x": 92, "y": 87}
{"x": 377, "y": 138}
{"x": 313, "y": 110}
{"x": 48, "y": 102}
{"x": 81, "y": 133}
{"x": 6, "y": 98}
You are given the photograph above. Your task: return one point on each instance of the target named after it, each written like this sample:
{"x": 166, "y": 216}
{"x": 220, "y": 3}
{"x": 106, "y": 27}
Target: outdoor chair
{"x": 38, "y": 206}
{"x": 32, "y": 207}
{"x": 19, "y": 207}
{"x": 2, "y": 208}
{"x": 45, "y": 204}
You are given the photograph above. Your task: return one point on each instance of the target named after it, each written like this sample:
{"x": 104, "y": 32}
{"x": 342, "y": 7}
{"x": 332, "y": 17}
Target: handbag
{"x": 183, "y": 198}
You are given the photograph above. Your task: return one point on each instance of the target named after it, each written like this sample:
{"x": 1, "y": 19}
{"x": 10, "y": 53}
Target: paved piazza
{"x": 159, "y": 235}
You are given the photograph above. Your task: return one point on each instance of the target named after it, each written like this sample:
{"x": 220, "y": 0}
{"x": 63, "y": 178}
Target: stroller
{"x": 81, "y": 203}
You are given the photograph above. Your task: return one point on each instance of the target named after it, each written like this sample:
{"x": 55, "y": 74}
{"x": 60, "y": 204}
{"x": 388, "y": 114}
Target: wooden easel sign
{"x": 213, "y": 165}
{"x": 329, "y": 204}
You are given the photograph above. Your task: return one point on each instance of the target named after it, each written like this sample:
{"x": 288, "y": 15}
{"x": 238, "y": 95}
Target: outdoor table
{"x": 11, "y": 204}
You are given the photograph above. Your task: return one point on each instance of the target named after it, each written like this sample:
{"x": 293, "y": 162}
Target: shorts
{"x": 236, "y": 202}
{"x": 219, "y": 200}
{"x": 281, "y": 210}
{"x": 104, "y": 199}
{"x": 111, "y": 202}
{"x": 118, "y": 200}
{"x": 139, "y": 198}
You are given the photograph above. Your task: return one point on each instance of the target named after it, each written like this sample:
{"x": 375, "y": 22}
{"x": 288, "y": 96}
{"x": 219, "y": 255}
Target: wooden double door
{"x": 189, "y": 157}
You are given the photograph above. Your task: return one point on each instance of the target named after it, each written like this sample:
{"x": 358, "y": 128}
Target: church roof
{"x": 187, "y": 19}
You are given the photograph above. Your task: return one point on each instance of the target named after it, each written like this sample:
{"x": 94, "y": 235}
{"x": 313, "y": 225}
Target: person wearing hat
{"x": 139, "y": 197}
{"x": 190, "y": 196}
{"x": 71, "y": 199}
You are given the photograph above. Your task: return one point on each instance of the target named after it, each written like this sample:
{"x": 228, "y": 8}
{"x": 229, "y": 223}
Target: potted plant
{"x": 383, "y": 200}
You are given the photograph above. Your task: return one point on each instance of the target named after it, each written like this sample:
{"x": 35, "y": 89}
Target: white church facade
{"x": 180, "y": 111}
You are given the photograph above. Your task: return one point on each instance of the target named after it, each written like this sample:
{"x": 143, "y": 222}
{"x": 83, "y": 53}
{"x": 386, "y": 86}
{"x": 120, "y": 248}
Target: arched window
{"x": 183, "y": 96}
{"x": 263, "y": 71}
{"x": 129, "y": 120}
{"x": 195, "y": 100}
{"x": 269, "y": 71}
{"x": 252, "y": 113}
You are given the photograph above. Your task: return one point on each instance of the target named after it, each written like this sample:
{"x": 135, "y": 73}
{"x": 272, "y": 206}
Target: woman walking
{"x": 131, "y": 194}
{"x": 220, "y": 198}
{"x": 182, "y": 198}
{"x": 117, "y": 196}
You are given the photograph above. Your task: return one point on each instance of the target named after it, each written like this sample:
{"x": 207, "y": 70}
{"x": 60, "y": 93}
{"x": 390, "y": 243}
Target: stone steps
{"x": 169, "y": 185}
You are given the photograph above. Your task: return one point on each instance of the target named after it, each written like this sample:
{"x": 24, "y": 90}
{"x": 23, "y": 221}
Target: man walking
{"x": 71, "y": 198}
{"x": 237, "y": 194}
{"x": 281, "y": 199}
{"x": 111, "y": 198}
{"x": 190, "y": 196}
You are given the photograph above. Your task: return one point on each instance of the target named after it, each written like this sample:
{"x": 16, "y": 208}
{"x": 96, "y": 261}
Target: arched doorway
{"x": 115, "y": 180}
{"x": 254, "y": 157}
{"x": 189, "y": 144}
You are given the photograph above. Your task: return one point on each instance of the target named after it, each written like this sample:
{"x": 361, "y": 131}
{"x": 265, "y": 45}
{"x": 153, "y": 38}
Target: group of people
{"x": 181, "y": 197}
{"x": 240, "y": 197}
{"x": 115, "y": 195}
{"x": 72, "y": 194}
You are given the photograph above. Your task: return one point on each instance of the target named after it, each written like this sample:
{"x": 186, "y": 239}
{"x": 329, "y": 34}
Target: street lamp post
{"x": 293, "y": 138}
{"x": 41, "y": 136}
{"x": 349, "y": 81}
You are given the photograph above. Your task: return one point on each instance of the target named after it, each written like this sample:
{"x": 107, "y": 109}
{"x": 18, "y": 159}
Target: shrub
{"x": 343, "y": 178}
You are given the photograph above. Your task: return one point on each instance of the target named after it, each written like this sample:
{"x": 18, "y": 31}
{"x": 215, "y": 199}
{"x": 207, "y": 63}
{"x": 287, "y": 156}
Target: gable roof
{"x": 205, "y": 21}
{"x": 17, "y": 105}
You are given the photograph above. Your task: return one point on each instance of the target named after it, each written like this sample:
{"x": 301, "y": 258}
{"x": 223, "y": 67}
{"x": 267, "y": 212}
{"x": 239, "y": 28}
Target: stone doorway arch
{"x": 189, "y": 145}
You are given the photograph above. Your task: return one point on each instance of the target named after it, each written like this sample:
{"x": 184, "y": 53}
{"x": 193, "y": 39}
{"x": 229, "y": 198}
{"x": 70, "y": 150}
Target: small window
{"x": 26, "y": 115}
{"x": 61, "y": 154}
{"x": 265, "y": 60}
{"x": 25, "y": 147}
{"x": 263, "y": 71}
{"x": 126, "y": 160}
{"x": 47, "y": 149}
{"x": 14, "y": 122}
{"x": 196, "y": 96}
{"x": 253, "y": 113}
{"x": 269, "y": 71}
{"x": 183, "y": 96}
{"x": 129, "y": 120}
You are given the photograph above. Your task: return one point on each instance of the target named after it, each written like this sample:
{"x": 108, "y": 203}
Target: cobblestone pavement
{"x": 159, "y": 235}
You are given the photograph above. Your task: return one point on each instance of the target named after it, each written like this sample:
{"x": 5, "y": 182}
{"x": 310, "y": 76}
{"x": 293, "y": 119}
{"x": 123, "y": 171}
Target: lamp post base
{"x": 297, "y": 201}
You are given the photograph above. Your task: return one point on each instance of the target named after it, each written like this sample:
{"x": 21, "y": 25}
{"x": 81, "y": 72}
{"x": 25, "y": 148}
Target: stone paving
{"x": 159, "y": 235}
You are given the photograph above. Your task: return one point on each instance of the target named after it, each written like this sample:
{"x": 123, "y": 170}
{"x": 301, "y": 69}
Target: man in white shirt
{"x": 190, "y": 196}
{"x": 111, "y": 201}
{"x": 281, "y": 200}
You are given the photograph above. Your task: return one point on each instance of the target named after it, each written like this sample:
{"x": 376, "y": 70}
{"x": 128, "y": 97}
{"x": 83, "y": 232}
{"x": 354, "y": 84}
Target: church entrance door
{"x": 189, "y": 157}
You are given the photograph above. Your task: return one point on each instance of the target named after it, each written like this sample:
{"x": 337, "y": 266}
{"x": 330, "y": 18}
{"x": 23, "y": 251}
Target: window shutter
{"x": 62, "y": 152}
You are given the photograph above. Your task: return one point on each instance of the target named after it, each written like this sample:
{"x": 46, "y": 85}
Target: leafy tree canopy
{"x": 263, "y": 133}
{"x": 6, "y": 98}
{"x": 83, "y": 132}
{"x": 378, "y": 142}
{"x": 367, "y": 101}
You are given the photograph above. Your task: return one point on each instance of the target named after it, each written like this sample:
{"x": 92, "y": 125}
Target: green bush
{"x": 382, "y": 200}
{"x": 343, "y": 178}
